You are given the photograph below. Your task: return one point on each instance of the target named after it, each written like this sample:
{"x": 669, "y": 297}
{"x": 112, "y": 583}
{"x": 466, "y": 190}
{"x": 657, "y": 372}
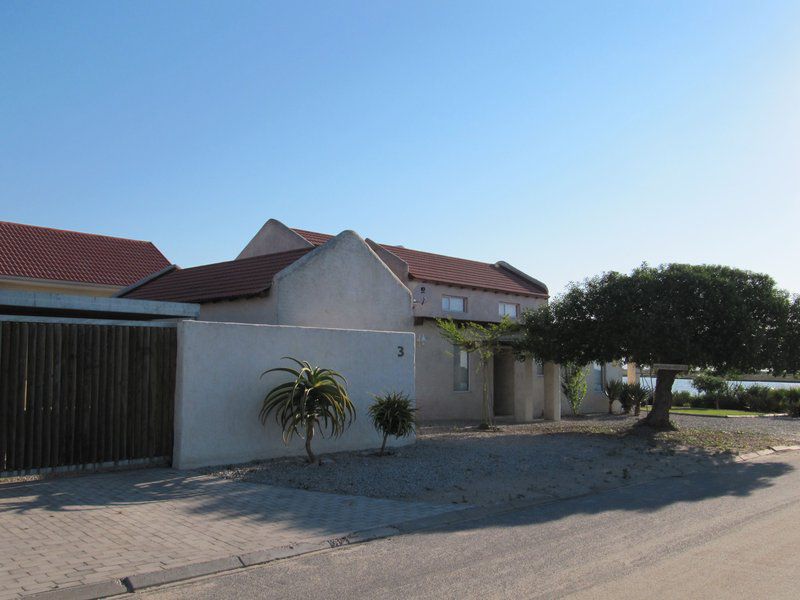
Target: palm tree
{"x": 613, "y": 391}
{"x": 314, "y": 399}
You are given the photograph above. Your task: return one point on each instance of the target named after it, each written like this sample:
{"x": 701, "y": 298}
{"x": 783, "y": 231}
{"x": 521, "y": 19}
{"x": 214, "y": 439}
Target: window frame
{"x": 457, "y": 353}
{"x": 448, "y": 297}
{"x": 500, "y": 306}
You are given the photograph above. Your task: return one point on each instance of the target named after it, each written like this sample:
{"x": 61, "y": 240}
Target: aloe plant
{"x": 315, "y": 399}
{"x": 392, "y": 414}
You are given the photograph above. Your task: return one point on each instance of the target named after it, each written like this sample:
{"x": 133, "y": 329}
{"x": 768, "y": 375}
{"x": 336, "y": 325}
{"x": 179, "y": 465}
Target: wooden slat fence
{"x": 84, "y": 395}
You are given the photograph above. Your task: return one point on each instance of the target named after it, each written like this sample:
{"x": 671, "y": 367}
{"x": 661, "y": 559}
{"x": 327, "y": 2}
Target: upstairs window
{"x": 507, "y": 309}
{"x": 455, "y": 304}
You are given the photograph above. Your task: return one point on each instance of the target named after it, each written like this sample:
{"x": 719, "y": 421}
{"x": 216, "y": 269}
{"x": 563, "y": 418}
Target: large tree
{"x": 708, "y": 317}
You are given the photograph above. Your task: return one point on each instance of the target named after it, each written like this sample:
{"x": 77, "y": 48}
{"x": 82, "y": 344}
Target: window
{"x": 460, "y": 370}
{"x": 454, "y": 304}
{"x": 509, "y": 310}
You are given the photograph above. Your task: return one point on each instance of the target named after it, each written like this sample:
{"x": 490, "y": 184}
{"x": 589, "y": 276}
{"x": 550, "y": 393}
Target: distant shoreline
{"x": 761, "y": 378}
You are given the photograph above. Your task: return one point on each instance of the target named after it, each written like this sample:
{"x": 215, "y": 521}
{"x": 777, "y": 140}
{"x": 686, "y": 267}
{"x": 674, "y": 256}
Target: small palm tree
{"x": 633, "y": 396}
{"x": 613, "y": 391}
{"x": 392, "y": 414}
{"x": 314, "y": 399}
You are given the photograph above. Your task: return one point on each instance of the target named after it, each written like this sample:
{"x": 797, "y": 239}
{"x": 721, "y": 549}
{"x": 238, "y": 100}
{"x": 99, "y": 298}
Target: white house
{"x": 289, "y": 276}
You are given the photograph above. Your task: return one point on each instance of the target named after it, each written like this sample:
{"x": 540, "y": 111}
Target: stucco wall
{"x": 259, "y": 310}
{"x": 219, "y": 391}
{"x": 436, "y": 399}
{"x": 342, "y": 284}
{"x": 57, "y": 287}
{"x": 481, "y": 304}
{"x": 273, "y": 237}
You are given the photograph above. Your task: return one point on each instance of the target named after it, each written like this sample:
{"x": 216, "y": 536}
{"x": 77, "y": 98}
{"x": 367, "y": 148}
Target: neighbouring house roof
{"x": 219, "y": 281}
{"x": 312, "y": 236}
{"x": 436, "y": 268}
{"x": 29, "y": 251}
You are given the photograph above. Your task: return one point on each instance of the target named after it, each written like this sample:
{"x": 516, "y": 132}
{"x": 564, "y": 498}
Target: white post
{"x": 633, "y": 373}
{"x": 552, "y": 391}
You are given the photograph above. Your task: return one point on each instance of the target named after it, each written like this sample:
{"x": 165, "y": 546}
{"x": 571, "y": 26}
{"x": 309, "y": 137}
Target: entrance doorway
{"x": 503, "y": 384}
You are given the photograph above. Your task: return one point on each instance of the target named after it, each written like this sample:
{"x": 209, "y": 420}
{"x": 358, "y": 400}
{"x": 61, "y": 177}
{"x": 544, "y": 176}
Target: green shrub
{"x": 392, "y": 414}
{"x": 701, "y": 401}
{"x": 759, "y": 398}
{"x": 315, "y": 398}
{"x": 573, "y": 384}
{"x": 792, "y": 402}
{"x": 634, "y": 395}
{"x": 682, "y": 398}
{"x": 713, "y": 385}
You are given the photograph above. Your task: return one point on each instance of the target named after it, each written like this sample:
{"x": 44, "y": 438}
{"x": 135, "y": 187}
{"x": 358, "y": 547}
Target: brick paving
{"x": 86, "y": 529}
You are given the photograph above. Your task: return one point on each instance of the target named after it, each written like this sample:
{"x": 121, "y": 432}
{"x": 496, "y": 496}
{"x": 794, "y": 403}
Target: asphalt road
{"x": 733, "y": 532}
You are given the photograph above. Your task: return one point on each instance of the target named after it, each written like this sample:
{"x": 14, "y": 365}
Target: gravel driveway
{"x": 782, "y": 427}
{"x": 536, "y": 461}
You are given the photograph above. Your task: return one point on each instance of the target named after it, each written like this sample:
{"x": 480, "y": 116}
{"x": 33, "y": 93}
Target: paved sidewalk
{"x": 77, "y": 530}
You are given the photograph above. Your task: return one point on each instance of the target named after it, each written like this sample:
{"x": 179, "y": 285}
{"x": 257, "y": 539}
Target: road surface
{"x": 733, "y": 532}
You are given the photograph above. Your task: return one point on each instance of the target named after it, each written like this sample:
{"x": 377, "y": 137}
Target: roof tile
{"x": 437, "y": 268}
{"x": 55, "y": 254}
{"x": 219, "y": 281}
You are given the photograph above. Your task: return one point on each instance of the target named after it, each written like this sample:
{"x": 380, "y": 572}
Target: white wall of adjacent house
{"x": 220, "y": 388}
{"x": 595, "y": 401}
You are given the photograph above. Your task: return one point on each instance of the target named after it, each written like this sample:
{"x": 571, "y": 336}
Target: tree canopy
{"x": 704, "y": 316}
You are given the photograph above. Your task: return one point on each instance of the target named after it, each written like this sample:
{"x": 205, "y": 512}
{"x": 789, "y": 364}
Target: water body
{"x": 685, "y": 385}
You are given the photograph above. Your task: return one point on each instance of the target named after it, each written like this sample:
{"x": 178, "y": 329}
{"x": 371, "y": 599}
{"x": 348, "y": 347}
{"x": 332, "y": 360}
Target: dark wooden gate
{"x": 85, "y": 395}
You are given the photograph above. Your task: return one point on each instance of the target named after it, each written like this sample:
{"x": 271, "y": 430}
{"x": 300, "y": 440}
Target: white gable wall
{"x": 273, "y": 237}
{"x": 342, "y": 284}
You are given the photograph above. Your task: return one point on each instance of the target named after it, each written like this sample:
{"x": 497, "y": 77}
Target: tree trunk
{"x": 309, "y": 436}
{"x": 383, "y": 445}
{"x": 487, "y": 417}
{"x": 610, "y": 404}
{"x": 658, "y": 417}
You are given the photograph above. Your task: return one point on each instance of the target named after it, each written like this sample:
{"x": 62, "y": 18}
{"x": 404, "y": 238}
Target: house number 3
{"x": 401, "y": 351}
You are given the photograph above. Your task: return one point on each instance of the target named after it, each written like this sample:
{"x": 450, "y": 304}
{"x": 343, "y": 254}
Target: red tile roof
{"x": 312, "y": 236}
{"x": 436, "y": 268}
{"x": 220, "y": 281}
{"x": 54, "y": 254}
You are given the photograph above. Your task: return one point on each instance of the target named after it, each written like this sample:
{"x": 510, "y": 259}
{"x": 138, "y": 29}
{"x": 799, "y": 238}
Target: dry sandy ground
{"x": 538, "y": 461}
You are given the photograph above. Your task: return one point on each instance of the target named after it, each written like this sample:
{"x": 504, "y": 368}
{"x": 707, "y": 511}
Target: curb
{"x": 137, "y": 582}
{"x": 140, "y": 581}
{"x": 766, "y": 452}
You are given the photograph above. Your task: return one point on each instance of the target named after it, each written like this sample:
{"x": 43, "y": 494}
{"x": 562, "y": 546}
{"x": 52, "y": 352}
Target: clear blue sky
{"x": 567, "y": 138}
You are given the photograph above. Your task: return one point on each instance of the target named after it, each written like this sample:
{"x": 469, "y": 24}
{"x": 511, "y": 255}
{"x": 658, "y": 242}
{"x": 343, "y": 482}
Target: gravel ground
{"x": 782, "y": 427}
{"x": 537, "y": 461}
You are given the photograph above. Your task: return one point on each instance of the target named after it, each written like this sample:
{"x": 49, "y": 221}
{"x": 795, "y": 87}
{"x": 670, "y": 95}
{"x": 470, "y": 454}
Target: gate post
{"x": 552, "y": 391}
